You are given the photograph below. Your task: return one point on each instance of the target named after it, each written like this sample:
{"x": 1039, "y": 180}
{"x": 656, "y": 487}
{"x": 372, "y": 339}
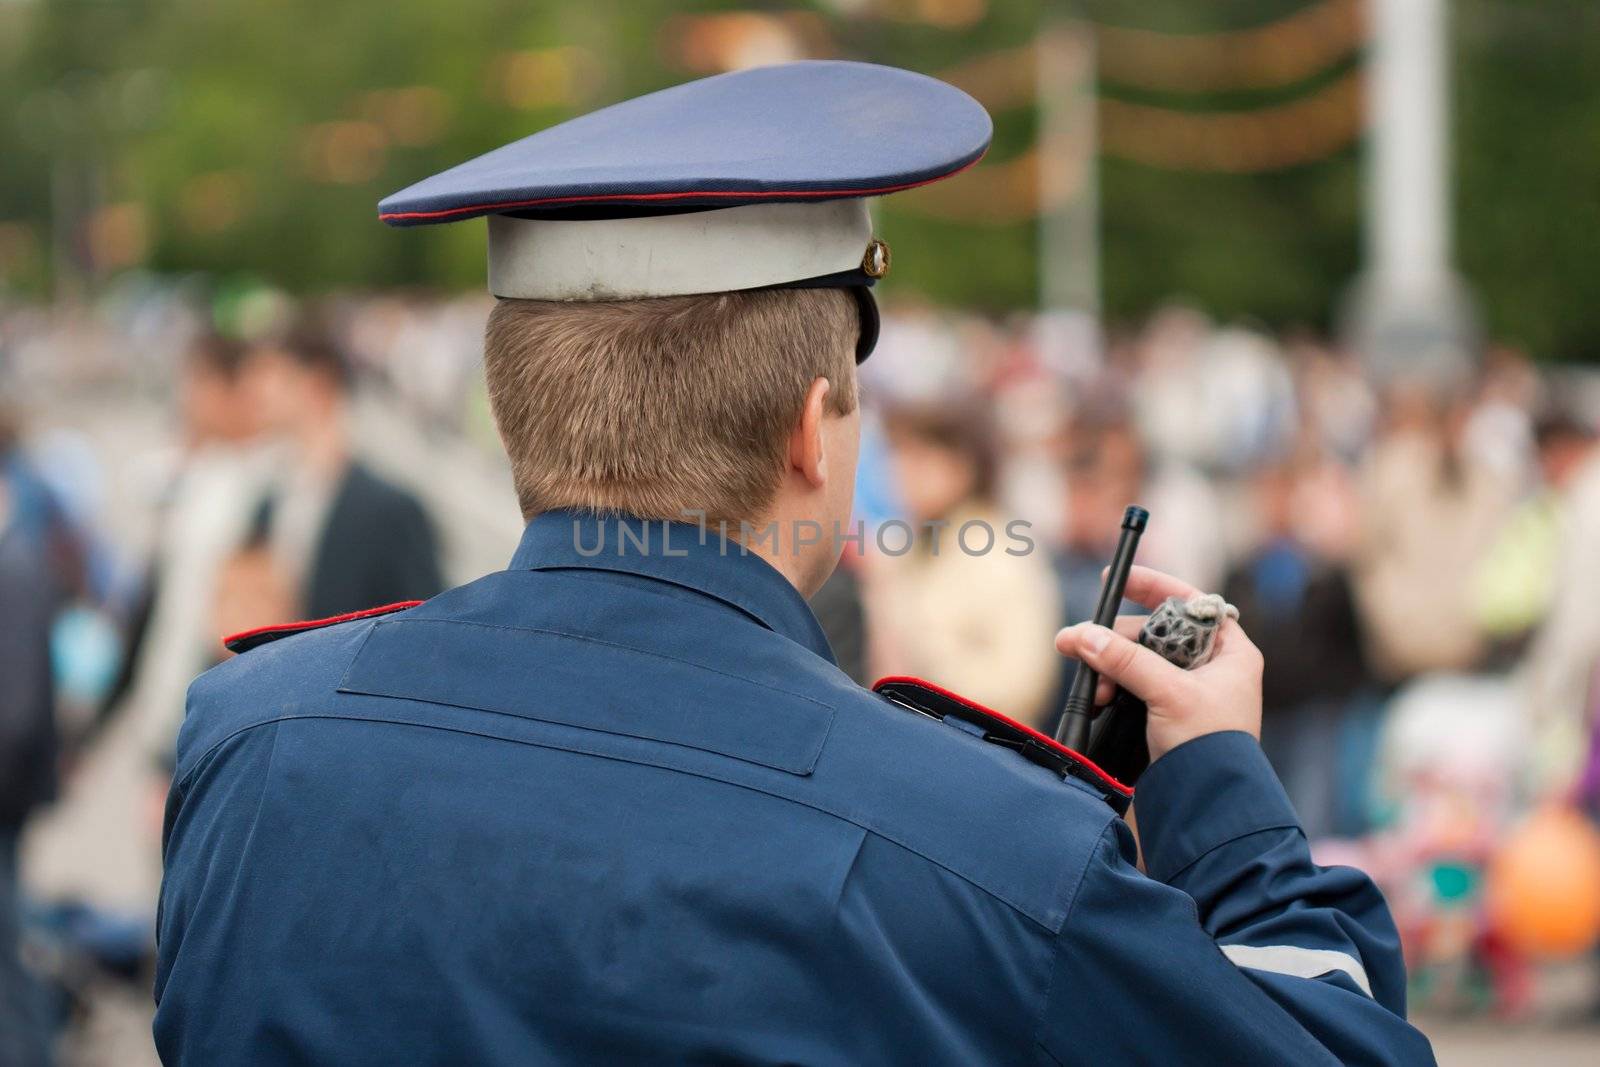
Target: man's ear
{"x": 806, "y": 452}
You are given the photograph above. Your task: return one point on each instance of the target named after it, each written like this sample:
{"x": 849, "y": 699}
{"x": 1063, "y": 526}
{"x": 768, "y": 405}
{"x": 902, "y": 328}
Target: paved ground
{"x": 1490, "y": 1044}
{"x": 120, "y": 1038}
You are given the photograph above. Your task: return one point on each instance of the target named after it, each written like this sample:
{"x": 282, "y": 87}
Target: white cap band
{"x": 746, "y": 247}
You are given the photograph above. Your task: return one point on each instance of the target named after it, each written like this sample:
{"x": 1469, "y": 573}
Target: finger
{"x": 1104, "y": 688}
{"x": 1128, "y": 626}
{"x": 1234, "y": 645}
{"x": 1151, "y": 587}
{"x": 1136, "y": 668}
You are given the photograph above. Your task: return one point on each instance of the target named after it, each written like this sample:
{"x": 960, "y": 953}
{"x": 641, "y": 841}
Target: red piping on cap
{"x": 1043, "y": 739}
{"x": 248, "y": 639}
{"x": 723, "y": 194}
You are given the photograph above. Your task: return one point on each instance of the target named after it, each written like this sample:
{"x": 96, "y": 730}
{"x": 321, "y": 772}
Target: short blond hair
{"x": 665, "y": 406}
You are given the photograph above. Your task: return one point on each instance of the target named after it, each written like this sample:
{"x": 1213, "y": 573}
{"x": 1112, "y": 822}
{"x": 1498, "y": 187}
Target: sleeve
{"x": 1235, "y": 948}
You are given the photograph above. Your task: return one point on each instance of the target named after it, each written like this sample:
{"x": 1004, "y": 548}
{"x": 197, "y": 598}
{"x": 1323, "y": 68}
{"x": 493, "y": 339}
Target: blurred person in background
{"x": 328, "y": 536}
{"x": 1515, "y": 584}
{"x": 27, "y": 762}
{"x": 1565, "y": 652}
{"x": 1294, "y": 589}
{"x": 1104, "y": 474}
{"x": 959, "y": 607}
{"x": 1430, "y": 509}
{"x": 1205, "y": 400}
{"x": 38, "y": 513}
{"x": 842, "y": 616}
{"x": 203, "y": 514}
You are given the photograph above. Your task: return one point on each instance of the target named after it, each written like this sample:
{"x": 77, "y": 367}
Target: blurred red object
{"x": 1544, "y": 885}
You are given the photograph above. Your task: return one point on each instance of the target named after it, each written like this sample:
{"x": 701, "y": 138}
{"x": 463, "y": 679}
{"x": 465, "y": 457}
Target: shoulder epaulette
{"x": 931, "y": 700}
{"x": 245, "y": 640}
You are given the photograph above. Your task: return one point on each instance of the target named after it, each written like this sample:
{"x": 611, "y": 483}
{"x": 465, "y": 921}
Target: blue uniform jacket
{"x": 616, "y": 804}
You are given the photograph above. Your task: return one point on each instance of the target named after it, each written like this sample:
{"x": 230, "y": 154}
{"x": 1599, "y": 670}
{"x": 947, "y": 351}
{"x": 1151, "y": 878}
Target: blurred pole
{"x": 1069, "y": 197}
{"x": 66, "y": 205}
{"x": 1408, "y": 188}
{"x": 1412, "y": 315}
{"x": 1067, "y": 331}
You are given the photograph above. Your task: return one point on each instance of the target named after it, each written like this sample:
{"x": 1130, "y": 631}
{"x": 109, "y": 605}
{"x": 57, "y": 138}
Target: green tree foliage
{"x": 244, "y": 133}
{"x": 1527, "y": 149}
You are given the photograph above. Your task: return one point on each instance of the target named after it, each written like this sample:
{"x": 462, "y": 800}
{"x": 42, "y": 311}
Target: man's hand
{"x": 1224, "y": 694}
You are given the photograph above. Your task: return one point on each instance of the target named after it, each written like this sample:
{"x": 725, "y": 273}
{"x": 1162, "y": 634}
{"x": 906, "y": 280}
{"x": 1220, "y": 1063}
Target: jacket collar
{"x": 681, "y": 554}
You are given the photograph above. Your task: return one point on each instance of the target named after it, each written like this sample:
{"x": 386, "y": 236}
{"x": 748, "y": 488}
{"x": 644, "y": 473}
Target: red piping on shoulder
{"x": 248, "y": 639}
{"x": 1043, "y": 739}
{"x": 687, "y": 194}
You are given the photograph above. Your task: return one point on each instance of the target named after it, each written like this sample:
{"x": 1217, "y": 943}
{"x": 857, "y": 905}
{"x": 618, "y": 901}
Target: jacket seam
{"x": 704, "y": 600}
{"x": 841, "y": 816}
{"x": 1168, "y": 877}
{"x": 608, "y": 644}
{"x": 1055, "y": 962}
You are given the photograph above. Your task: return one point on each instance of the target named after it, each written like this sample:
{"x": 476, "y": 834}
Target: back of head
{"x": 677, "y": 274}
{"x": 946, "y": 453}
{"x": 213, "y": 407}
{"x": 663, "y": 406}
{"x": 310, "y": 344}
{"x": 1559, "y": 426}
{"x": 216, "y": 355}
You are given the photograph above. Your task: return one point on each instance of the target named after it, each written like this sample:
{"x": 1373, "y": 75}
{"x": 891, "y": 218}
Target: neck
{"x": 777, "y": 539}
{"x": 785, "y": 561}
{"x": 322, "y": 445}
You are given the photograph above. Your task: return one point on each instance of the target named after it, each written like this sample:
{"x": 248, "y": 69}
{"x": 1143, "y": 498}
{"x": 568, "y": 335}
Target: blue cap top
{"x": 809, "y": 131}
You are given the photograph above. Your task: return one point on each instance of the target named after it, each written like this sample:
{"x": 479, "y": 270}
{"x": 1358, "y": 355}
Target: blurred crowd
{"x": 1417, "y": 556}
{"x": 1414, "y": 549}
{"x": 255, "y": 510}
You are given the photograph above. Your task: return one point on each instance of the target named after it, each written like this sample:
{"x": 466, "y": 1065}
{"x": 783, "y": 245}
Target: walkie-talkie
{"x": 1114, "y": 738}
{"x": 1070, "y": 752}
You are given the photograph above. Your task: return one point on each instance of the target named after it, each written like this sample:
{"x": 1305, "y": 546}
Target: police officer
{"x": 617, "y": 804}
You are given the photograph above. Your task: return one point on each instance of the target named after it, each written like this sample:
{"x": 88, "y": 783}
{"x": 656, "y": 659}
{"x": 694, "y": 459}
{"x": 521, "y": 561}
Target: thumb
{"x": 1137, "y": 669}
